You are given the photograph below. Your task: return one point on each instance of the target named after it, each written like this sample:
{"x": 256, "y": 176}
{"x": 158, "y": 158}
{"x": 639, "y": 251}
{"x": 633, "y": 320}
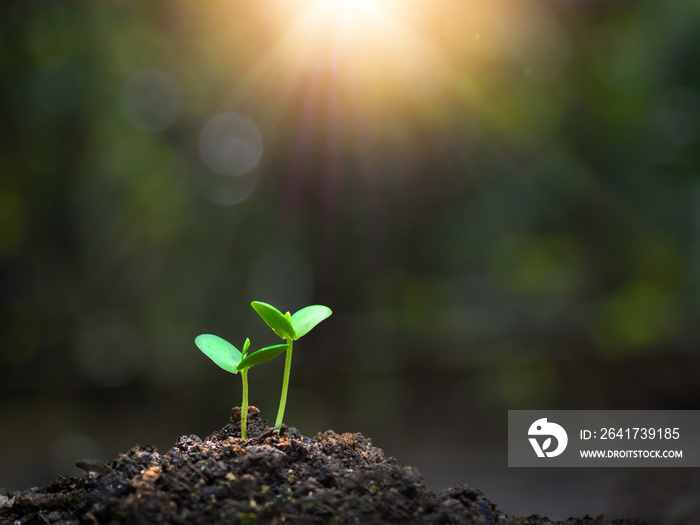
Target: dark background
{"x": 500, "y": 201}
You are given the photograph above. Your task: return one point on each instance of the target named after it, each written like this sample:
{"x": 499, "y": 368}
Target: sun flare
{"x": 339, "y": 22}
{"x": 349, "y": 6}
{"x": 344, "y": 12}
{"x": 370, "y": 40}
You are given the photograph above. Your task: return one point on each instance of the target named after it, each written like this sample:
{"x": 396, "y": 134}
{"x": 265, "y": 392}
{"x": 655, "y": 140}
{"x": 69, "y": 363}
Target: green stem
{"x": 285, "y": 383}
{"x": 244, "y": 405}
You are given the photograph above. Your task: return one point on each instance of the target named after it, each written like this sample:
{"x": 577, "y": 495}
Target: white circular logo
{"x": 543, "y": 428}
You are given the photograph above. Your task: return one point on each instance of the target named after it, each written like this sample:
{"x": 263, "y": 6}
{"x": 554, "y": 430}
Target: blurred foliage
{"x": 509, "y": 187}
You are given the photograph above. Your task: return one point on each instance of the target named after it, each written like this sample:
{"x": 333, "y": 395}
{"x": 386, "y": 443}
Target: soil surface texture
{"x": 269, "y": 478}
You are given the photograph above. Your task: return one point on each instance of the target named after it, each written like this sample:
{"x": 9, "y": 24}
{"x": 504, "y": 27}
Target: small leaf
{"x": 279, "y": 323}
{"x": 546, "y": 444}
{"x": 246, "y": 345}
{"x": 306, "y": 318}
{"x": 262, "y": 355}
{"x": 220, "y": 351}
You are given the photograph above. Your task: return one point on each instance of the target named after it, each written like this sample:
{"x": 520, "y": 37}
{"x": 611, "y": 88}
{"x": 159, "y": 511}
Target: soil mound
{"x": 269, "y": 478}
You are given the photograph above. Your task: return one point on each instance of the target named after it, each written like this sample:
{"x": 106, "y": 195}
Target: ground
{"x": 268, "y": 478}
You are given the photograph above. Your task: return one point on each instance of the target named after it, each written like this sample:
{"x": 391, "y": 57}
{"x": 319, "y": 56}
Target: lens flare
{"x": 230, "y": 144}
{"x": 337, "y": 33}
{"x": 344, "y": 12}
{"x": 349, "y": 7}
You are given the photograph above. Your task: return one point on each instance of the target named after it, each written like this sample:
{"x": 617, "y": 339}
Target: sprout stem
{"x": 244, "y": 405}
{"x": 285, "y": 383}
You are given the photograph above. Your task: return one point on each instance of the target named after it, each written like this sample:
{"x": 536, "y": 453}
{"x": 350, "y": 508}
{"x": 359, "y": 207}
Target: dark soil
{"x": 269, "y": 478}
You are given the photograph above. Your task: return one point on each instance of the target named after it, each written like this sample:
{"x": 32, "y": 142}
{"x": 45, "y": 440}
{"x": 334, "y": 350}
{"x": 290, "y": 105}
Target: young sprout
{"x": 290, "y": 328}
{"x": 232, "y": 360}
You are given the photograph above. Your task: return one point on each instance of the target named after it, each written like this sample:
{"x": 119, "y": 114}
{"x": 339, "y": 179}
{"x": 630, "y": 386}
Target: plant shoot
{"x": 233, "y": 360}
{"x": 289, "y": 328}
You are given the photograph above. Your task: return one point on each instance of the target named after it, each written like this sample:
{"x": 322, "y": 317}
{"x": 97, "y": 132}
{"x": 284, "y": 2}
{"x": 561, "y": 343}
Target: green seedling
{"x": 232, "y": 360}
{"x": 290, "y": 328}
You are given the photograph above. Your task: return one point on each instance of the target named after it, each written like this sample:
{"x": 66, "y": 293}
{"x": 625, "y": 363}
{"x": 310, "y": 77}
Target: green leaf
{"x": 275, "y": 319}
{"x": 220, "y": 351}
{"x": 262, "y": 355}
{"x": 306, "y": 318}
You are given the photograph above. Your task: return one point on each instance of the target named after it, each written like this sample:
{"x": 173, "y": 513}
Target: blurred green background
{"x": 499, "y": 200}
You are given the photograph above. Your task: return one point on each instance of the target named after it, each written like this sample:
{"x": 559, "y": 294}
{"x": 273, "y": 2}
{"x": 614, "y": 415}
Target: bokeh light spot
{"x": 226, "y": 191}
{"x": 230, "y": 144}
